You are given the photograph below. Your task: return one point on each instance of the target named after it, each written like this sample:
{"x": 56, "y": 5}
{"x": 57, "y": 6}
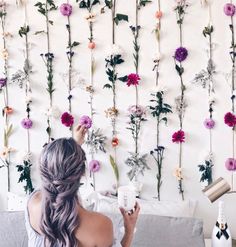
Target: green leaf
{"x": 95, "y": 2}
{"x": 75, "y": 43}
{"x": 123, "y": 78}
{"x": 120, "y": 17}
{"x": 108, "y": 3}
{"x": 115, "y": 168}
{"x": 107, "y": 86}
{"x": 144, "y": 2}
{"x": 39, "y": 32}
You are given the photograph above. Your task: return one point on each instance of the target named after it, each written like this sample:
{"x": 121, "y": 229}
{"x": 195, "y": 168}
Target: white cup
{"x": 126, "y": 197}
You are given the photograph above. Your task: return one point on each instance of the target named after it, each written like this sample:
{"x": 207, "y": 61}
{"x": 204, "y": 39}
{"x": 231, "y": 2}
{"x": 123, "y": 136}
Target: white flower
{"x": 22, "y": 156}
{"x": 157, "y": 57}
{"x": 28, "y": 98}
{"x": 212, "y": 99}
{"x": 159, "y": 88}
{"x": 114, "y": 50}
{"x": 53, "y": 112}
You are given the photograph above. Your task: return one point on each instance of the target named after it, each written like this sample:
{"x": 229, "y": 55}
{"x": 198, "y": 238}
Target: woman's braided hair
{"x": 62, "y": 165}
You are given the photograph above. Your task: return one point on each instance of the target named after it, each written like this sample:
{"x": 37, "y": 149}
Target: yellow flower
{"x": 5, "y": 54}
{"x": 178, "y": 173}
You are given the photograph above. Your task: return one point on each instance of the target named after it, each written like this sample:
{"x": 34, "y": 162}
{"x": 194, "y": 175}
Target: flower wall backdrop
{"x": 66, "y": 87}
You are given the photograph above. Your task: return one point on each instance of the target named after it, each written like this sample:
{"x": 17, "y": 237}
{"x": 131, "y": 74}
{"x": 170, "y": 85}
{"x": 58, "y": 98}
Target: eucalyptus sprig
{"x": 159, "y": 110}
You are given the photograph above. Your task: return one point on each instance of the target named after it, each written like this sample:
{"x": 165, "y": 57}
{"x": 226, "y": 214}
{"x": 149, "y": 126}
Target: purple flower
{"x": 3, "y": 82}
{"x": 94, "y": 166}
{"x": 181, "y": 54}
{"x": 86, "y": 121}
{"x": 209, "y": 123}
{"x": 230, "y": 119}
{"x": 137, "y": 110}
{"x": 67, "y": 119}
{"x": 66, "y": 9}
{"x": 26, "y": 123}
{"x": 133, "y": 79}
{"x": 229, "y": 9}
{"x": 178, "y": 137}
{"x": 230, "y": 164}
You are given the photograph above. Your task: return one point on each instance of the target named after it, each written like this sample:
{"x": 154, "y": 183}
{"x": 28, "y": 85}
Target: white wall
{"x": 197, "y": 136}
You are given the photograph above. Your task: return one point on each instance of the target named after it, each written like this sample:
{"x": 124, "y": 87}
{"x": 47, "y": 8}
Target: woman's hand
{"x": 130, "y": 220}
{"x": 79, "y": 134}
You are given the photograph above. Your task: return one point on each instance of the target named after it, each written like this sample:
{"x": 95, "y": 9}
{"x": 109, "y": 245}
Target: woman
{"x": 55, "y": 217}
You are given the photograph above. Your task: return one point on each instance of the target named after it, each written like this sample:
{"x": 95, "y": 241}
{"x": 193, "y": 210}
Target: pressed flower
{"x": 53, "y": 112}
{"x": 91, "y": 45}
{"x": 5, "y": 152}
{"x": 66, "y": 9}
{"x": 178, "y": 173}
{"x": 230, "y": 164}
{"x": 114, "y": 50}
{"x": 89, "y": 89}
{"x": 3, "y": 82}
{"x": 111, "y": 112}
{"x": 158, "y": 14}
{"x": 230, "y": 119}
{"x": 209, "y": 123}
{"x": 86, "y": 121}
{"x": 137, "y": 110}
{"x": 115, "y": 142}
{"x": 94, "y": 166}
{"x": 90, "y": 17}
{"x": 5, "y": 54}
{"x": 133, "y": 79}
{"x": 181, "y": 54}
{"x": 229, "y": 9}
{"x": 26, "y": 123}
{"x": 67, "y": 119}
{"x": 178, "y": 137}
{"x": 8, "y": 110}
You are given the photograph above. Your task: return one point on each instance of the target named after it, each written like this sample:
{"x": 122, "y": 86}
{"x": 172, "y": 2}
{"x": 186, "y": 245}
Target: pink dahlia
{"x": 229, "y": 9}
{"x": 230, "y": 119}
{"x": 67, "y": 119}
{"x": 86, "y": 121}
{"x": 178, "y": 137}
{"x": 66, "y": 9}
{"x": 230, "y": 164}
{"x": 133, "y": 79}
{"x": 209, "y": 123}
{"x": 94, "y": 166}
{"x": 26, "y": 123}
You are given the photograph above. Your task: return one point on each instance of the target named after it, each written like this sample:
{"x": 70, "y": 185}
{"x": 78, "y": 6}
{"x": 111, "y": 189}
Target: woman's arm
{"x": 130, "y": 220}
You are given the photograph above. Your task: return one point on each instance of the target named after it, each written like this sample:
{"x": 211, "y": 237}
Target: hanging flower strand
{"x": 4, "y": 81}
{"x": 230, "y": 117}
{"x": 66, "y": 10}
{"x": 95, "y": 140}
{"x": 22, "y": 78}
{"x": 180, "y": 55}
{"x": 113, "y": 59}
{"x": 45, "y": 8}
{"x": 205, "y": 79}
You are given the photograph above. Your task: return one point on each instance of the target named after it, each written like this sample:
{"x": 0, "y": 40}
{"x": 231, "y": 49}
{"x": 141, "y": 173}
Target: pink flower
{"x": 133, "y": 79}
{"x": 86, "y": 121}
{"x": 209, "y": 123}
{"x": 230, "y": 119}
{"x": 94, "y": 166}
{"x": 230, "y": 164}
{"x": 26, "y": 123}
{"x": 137, "y": 110}
{"x": 178, "y": 137}
{"x": 229, "y": 9}
{"x": 67, "y": 119}
{"x": 66, "y": 9}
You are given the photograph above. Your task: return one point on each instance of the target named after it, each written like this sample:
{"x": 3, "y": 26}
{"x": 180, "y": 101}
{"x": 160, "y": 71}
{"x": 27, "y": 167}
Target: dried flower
{"x": 178, "y": 173}
{"x": 3, "y": 82}
{"x": 230, "y": 164}
{"x": 91, "y": 45}
{"x": 114, "y": 50}
{"x": 5, "y": 54}
{"x": 209, "y": 123}
{"x": 137, "y": 110}
{"x": 86, "y": 121}
{"x": 229, "y": 9}
{"x": 178, "y": 137}
{"x": 90, "y": 17}
{"x": 230, "y": 119}
{"x": 66, "y": 9}
{"x": 96, "y": 141}
{"x": 67, "y": 119}
{"x": 22, "y": 156}
{"x": 94, "y": 166}
{"x": 158, "y": 14}
{"x": 5, "y": 152}
{"x": 181, "y": 54}
{"x": 8, "y": 110}
{"x": 115, "y": 142}
{"x": 90, "y": 89}
{"x": 26, "y": 123}
{"x": 133, "y": 79}
{"x": 53, "y": 112}
{"x": 111, "y": 112}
